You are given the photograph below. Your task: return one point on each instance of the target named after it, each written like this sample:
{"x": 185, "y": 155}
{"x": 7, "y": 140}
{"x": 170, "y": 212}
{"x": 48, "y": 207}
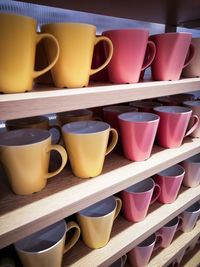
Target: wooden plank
{"x": 192, "y": 259}
{"x": 66, "y": 194}
{"x": 50, "y": 99}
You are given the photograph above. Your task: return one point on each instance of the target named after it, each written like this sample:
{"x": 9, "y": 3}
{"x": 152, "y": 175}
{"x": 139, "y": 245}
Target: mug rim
{"x": 193, "y": 159}
{"x": 171, "y": 221}
{"x": 171, "y": 33}
{"x": 80, "y": 113}
{"x": 130, "y": 188}
{"x": 112, "y": 108}
{"x": 176, "y": 109}
{"x": 178, "y": 168}
{"x": 68, "y": 23}
{"x": 152, "y": 236}
{"x": 152, "y": 117}
{"x": 124, "y": 30}
{"x": 193, "y": 206}
{"x": 192, "y": 103}
{"x": 18, "y": 15}
{"x": 25, "y": 121}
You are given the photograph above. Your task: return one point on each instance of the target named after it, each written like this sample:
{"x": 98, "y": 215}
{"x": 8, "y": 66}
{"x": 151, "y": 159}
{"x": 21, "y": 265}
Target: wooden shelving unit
{"x": 65, "y": 194}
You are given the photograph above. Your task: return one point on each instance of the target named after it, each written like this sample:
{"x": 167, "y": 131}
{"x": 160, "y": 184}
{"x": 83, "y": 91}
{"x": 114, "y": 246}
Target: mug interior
{"x": 173, "y": 171}
{"x": 26, "y": 121}
{"x": 119, "y": 109}
{"x": 192, "y": 103}
{"x": 141, "y": 187}
{"x": 100, "y": 209}
{"x": 148, "y": 241}
{"x": 75, "y": 113}
{"x": 173, "y": 109}
{"x": 117, "y": 263}
{"x": 195, "y": 158}
{"x": 173, "y": 222}
{"x": 193, "y": 208}
{"x": 138, "y": 117}
{"x": 85, "y": 127}
{"x": 43, "y": 239}
{"x": 23, "y": 137}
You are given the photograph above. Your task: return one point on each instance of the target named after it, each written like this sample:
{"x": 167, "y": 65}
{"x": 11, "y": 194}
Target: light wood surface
{"x": 66, "y": 194}
{"x": 126, "y": 235}
{"x": 192, "y": 259}
{"x": 48, "y": 100}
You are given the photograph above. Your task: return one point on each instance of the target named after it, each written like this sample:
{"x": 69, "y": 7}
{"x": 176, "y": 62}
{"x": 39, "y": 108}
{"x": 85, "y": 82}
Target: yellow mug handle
{"x": 113, "y": 141}
{"x": 119, "y": 205}
{"x": 39, "y": 37}
{"x": 63, "y": 154}
{"x": 124, "y": 259}
{"x": 97, "y": 40}
{"x": 58, "y": 129}
{"x": 74, "y": 238}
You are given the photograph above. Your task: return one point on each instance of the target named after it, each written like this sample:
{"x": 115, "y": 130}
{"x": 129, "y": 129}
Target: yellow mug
{"x": 39, "y": 122}
{"x": 86, "y": 143}
{"x": 17, "y": 52}
{"x": 75, "y": 115}
{"x": 25, "y": 156}
{"x": 96, "y": 221}
{"x": 76, "y": 42}
{"x": 46, "y": 247}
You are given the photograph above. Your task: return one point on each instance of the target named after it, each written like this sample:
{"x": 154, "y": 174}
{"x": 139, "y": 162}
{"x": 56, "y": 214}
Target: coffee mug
{"x": 145, "y": 106}
{"x": 46, "y": 247}
{"x": 175, "y": 100}
{"x": 39, "y": 122}
{"x": 25, "y": 156}
{"x": 193, "y": 69}
{"x": 76, "y": 42}
{"x": 189, "y": 217}
{"x": 195, "y": 107}
{"x": 17, "y": 52}
{"x": 169, "y": 181}
{"x": 96, "y": 221}
{"x": 171, "y": 55}
{"x": 138, "y": 132}
{"x": 168, "y": 231}
{"x": 192, "y": 171}
{"x": 120, "y": 262}
{"x": 128, "y": 60}
{"x": 140, "y": 255}
{"x": 75, "y": 115}
{"x": 137, "y": 198}
{"x": 86, "y": 143}
{"x": 173, "y": 124}
{"x": 110, "y": 114}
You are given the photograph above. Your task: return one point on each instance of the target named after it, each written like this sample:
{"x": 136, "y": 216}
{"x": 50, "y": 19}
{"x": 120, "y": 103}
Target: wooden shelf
{"x": 66, "y": 194}
{"x": 192, "y": 259}
{"x": 181, "y": 241}
{"x": 126, "y": 235}
{"x": 46, "y": 100}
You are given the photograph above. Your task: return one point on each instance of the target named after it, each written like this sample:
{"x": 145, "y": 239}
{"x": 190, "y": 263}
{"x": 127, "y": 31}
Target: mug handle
{"x": 158, "y": 242}
{"x": 180, "y": 223}
{"x": 194, "y": 126}
{"x": 74, "y": 238}
{"x": 39, "y": 37}
{"x": 151, "y": 50}
{"x": 113, "y": 141}
{"x": 97, "y": 40}
{"x": 58, "y": 129}
{"x": 156, "y": 193}
{"x": 124, "y": 259}
{"x": 119, "y": 205}
{"x": 190, "y": 55}
{"x": 63, "y": 154}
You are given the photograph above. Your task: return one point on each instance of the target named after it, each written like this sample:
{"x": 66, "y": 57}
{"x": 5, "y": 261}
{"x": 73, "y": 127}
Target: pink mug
{"x": 140, "y": 255}
{"x": 173, "y": 124}
{"x": 128, "y": 58}
{"x": 138, "y": 131}
{"x": 175, "y": 100}
{"x": 137, "y": 198}
{"x": 145, "y": 106}
{"x": 169, "y": 181}
{"x": 171, "y": 54}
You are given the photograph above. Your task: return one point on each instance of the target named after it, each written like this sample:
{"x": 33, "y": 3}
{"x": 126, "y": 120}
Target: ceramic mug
{"x": 171, "y": 55}
{"x": 195, "y": 107}
{"x": 39, "y": 122}
{"x": 173, "y": 124}
{"x": 145, "y": 106}
{"x": 76, "y": 42}
{"x": 175, "y": 100}
{"x": 137, "y": 198}
{"x": 192, "y": 171}
{"x": 140, "y": 255}
{"x": 46, "y": 247}
{"x": 17, "y": 52}
{"x": 25, "y": 156}
{"x": 128, "y": 60}
{"x": 86, "y": 143}
{"x": 138, "y": 131}
{"x": 169, "y": 181}
{"x": 96, "y": 221}
{"x": 189, "y": 217}
{"x": 193, "y": 69}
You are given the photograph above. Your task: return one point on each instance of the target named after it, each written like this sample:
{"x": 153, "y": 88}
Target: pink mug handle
{"x": 190, "y": 55}
{"x": 158, "y": 241}
{"x": 156, "y": 193}
{"x": 180, "y": 223}
{"x": 194, "y": 126}
{"x": 151, "y": 50}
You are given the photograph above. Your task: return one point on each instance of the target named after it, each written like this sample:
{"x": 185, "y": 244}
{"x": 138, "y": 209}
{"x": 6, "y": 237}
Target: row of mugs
{"x": 140, "y": 255}
{"x": 46, "y": 247}
{"x": 70, "y": 48}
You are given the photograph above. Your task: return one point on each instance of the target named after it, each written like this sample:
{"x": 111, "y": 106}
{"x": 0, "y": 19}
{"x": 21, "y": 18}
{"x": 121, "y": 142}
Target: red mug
{"x": 128, "y": 58}
{"x": 145, "y": 106}
{"x": 170, "y": 181}
{"x": 138, "y": 132}
{"x": 137, "y": 198}
{"x": 171, "y": 55}
{"x": 173, "y": 124}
